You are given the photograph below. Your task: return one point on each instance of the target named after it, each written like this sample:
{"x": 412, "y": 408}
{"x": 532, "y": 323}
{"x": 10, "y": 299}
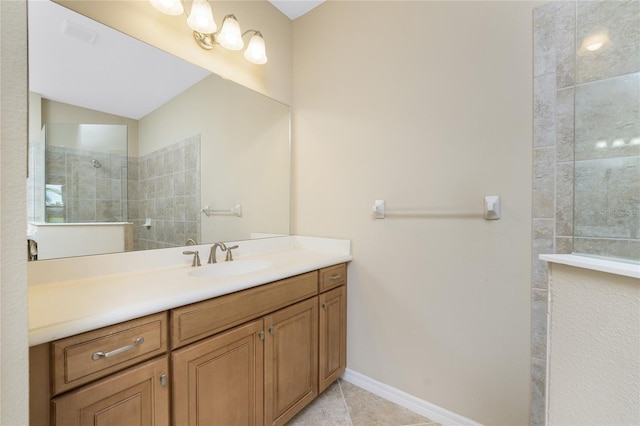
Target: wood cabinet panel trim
{"x": 139, "y": 384}
{"x": 72, "y": 357}
{"x": 332, "y": 276}
{"x": 197, "y": 321}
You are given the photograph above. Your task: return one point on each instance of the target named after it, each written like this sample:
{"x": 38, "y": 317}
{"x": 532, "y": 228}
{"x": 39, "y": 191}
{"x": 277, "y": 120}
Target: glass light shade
{"x": 201, "y": 18}
{"x": 256, "y": 52}
{"x": 230, "y": 36}
{"x": 168, "y": 7}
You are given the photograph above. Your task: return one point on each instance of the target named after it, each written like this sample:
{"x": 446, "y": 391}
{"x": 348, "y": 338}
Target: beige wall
{"x": 13, "y": 220}
{"x": 425, "y": 105}
{"x": 58, "y": 112}
{"x": 594, "y": 373}
{"x": 244, "y": 151}
{"x": 170, "y": 33}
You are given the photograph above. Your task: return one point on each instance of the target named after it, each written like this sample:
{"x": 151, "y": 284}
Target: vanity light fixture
{"x": 206, "y": 33}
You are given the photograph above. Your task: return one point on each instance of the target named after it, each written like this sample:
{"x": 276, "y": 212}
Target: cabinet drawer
{"x": 332, "y": 276}
{"x": 203, "y": 319}
{"x": 89, "y": 356}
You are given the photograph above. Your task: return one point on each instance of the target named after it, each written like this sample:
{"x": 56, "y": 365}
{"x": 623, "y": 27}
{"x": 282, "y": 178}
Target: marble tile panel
{"x": 191, "y": 155}
{"x": 544, "y": 163}
{"x": 617, "y": 25}
{"x": 543, "y": 243}
{"x": 178, "y": 158}
{"x": 565, "y": 43}
{"x": 539, "y": 323}
{"x": 544, "y": 42}
{"x": 55, "y": 163}
{"x": 86, "y": 187}
{"x": 564, "y": 245}
{"x": 538, "y": 392}
{"x": 607, "y": 200}
{"x": 178, "y": 183}
{"x": 564, "y": 199}
{"x": 133, "y": 169}
{"x": 169, "y": 164}
{"x": 192, "y": 208}
{"x": 614, "y": 248}
{"x": 544, "y": 119}
{"x": 83, "y": 211}
{"x": 108, "y": 211}
{"x": 191, "y": 182}
{"x": 158, "y": 164}
{"x": 607, "y": 118}
{"x": 191, "y": 230}
{"x": 564, "y": 125}
{"x": 179, "y": 209}
{"x": 168, "y": 187}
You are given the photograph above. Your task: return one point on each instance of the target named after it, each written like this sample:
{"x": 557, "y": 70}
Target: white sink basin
{"x": 224, "y": 269}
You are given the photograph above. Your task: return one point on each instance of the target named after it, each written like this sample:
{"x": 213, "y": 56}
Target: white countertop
{"x": 609, "y": 266}
{"x": 71, "y": 296}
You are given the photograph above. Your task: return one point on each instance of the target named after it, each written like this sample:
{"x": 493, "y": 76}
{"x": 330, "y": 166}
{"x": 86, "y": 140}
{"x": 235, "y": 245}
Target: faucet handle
{"x": 196, "y": 257}
{"x": 229, "y": 257}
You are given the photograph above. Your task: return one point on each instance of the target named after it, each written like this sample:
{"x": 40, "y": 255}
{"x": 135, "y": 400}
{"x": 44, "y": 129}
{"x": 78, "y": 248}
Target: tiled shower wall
{"x": 580, "y": 101}
{"x": 164, "y": 186}
{"x": 90, "y": 194}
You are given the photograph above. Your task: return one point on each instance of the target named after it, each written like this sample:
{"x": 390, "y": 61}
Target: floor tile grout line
{"x": 344, "y": 402}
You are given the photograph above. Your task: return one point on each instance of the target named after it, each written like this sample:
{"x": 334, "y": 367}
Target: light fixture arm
{"x": 206, "y": 33}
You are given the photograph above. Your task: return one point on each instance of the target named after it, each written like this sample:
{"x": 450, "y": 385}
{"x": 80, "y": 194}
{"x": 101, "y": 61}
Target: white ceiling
{"x": 76, "y": 60}
{"x": 295, "y": 8}
{"x": 112, "y": 72}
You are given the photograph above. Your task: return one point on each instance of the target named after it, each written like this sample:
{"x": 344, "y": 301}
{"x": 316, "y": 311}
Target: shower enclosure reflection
{"x": 79, "y": 183}
{"x": 85, "y": 173}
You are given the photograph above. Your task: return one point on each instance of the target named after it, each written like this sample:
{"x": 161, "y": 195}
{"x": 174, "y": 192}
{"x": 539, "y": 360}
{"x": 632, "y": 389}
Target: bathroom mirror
{"x": 207, "y": 159}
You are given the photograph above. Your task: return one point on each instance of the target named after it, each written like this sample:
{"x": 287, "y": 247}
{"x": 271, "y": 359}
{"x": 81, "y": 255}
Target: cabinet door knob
{"x": 271, "y": 330}
{"x": 324, "y": 306}
{"x": 163, "y": 380}
{"x": 261, "y": 335}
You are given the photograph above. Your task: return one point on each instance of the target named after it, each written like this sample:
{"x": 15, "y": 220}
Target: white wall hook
{"x": 378, "y": 209}
{"x": 492, "y": 207}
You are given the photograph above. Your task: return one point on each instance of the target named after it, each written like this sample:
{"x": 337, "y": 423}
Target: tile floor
{"x": 345, "y": 404}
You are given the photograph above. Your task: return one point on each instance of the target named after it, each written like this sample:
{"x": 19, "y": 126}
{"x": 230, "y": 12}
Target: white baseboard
{"x": 403, "y": 399}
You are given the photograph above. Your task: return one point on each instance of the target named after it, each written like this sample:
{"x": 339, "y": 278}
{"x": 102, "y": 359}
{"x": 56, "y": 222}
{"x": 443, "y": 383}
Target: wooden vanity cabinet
{"x": 103, "y": 376}
{"x": 220, "y": 380}
{"x": 138, "y": 396}
{"x": 332, "y": 336}
{"x": 291, "y": 361}
{"x": 254, "y": 357}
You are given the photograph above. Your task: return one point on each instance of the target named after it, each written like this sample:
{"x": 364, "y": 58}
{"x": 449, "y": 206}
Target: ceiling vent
{"x": 78, "y": 32}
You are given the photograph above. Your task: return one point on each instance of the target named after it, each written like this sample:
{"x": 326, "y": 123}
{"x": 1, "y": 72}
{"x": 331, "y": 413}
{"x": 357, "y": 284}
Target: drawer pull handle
{"x": 96, "y": 356}
{"x": 335, "y": 277}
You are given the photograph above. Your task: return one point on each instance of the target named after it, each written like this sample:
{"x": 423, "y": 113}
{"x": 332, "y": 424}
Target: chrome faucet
{"x": 229, "y": 257}
{"x": 212, "y": 253}
{"x": 196, "y": 257}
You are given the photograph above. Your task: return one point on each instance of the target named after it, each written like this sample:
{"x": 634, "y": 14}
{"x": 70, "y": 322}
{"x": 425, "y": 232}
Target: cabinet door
{"x": 333, "y": 336}
{"x": 291, "y": 360}
{"x": 137, "y": 396}
{"x": 220, "y": 381}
